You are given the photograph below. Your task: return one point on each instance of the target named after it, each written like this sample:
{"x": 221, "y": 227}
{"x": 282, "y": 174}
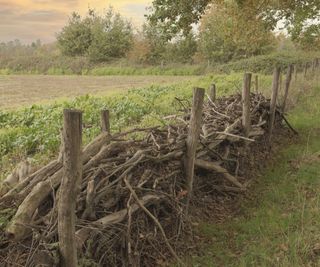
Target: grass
{"x": 111, "y": 70}
{"x": 280, "y": 226}
{"x": 60, "y": 65}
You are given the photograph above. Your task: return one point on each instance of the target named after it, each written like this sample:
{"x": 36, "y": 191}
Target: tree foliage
{"x": 178, "y": 15}
{"x": 227, "y": 34}
{"x": 183, "y": 49}
{"x": 99, "y": 37}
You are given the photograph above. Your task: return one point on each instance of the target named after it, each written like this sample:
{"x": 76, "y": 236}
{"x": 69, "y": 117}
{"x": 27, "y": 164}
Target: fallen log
{"x": 215, "y": 167}
{"x": 117, "y": 217}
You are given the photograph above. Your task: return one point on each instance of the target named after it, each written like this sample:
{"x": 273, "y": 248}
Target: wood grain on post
{"x": 287, "y": 86}
{"x": 70, "y": 184}
{"x": 246, "y": 122}
{"x": 257, "y": 83}
{"x": 313, "y": 66}
{"x": 213, "y": 92}
{"x": 305, "y": 70}
{"x": 193, "y": 138}
{"x": 105, "y": 121}
{"x": 273, "y": 104}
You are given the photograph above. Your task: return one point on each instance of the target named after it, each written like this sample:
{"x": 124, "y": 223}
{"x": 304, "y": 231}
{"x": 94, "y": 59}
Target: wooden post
{"x": 105, "y": 121}
{"x": 287, "y": 86}
{"x": 193, "y": 138}
{"x": 246, "y": 122}
{"x": 313, "y": 66}
{"x": 280, "y": 84}
{"x": 70, "y": 184}
{"x": 296, "y": 72}
{"x": 213, "y": 92}
{"x": 305, "y": 70}
{"x": 257, "y": 83}
{"x": 273, "y": 104}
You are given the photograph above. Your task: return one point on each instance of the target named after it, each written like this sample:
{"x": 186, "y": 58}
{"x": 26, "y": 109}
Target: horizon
{"x": 31, "y": 20}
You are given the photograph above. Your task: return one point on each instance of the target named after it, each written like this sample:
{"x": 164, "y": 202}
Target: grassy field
{"x": 279, "y": 225}
{"x": 23, "y": 90}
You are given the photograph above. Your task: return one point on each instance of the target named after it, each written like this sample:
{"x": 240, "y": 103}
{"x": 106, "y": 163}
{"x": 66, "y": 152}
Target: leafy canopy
{"x": 99, "y": 37}
{"x": 178, "y": 15}
{"x": 226, "y": 34}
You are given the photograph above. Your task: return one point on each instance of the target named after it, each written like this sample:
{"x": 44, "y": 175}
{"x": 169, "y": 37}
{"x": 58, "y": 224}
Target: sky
{"x": 29, "y": 20}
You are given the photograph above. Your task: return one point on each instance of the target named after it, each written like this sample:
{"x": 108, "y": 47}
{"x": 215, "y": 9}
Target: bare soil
{"x": 22, "y": 90}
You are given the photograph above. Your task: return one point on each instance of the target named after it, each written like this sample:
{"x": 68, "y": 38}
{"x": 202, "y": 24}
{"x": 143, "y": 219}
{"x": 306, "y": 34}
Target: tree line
{"x": 187, "y": 31}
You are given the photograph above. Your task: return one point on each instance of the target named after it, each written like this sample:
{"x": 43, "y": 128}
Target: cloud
{"x": 30, "y": 25}
{"x": 43, "y": 16}
{"x": 29, "y": 20}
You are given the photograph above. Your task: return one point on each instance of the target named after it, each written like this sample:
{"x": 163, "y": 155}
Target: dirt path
{"x": 22, "y": 90}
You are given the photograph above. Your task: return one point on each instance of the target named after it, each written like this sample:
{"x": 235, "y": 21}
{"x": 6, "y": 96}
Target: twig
{"x": 155, "y": 221}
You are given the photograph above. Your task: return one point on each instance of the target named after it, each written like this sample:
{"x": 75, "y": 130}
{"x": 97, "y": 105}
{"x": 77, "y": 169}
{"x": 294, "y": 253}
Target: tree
{"x": 157, "y": 41}
{"x": 226, "y": 34}
{"x": 309, "y": 38}
{"x": 112, "y": 37}
{"x": 182, "y": 49}
{"x": 98, "y": 37}
{"x": 76, "y": 37}
{"x": 175, "y": 16}
{"x": 178, "y": 15}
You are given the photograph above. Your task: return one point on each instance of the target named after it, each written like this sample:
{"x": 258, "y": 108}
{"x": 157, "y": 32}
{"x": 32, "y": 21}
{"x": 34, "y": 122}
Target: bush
{"x": 266, "y": 64}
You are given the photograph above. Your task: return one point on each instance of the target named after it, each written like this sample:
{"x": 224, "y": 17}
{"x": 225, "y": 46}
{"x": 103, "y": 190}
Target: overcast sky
{"x": 29, "y": 20}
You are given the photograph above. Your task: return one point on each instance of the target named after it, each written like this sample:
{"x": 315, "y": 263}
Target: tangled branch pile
{"x": 131, "y": 206}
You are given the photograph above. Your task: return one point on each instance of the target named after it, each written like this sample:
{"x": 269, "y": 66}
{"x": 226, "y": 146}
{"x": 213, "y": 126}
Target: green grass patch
{"x": 281, "y": 227}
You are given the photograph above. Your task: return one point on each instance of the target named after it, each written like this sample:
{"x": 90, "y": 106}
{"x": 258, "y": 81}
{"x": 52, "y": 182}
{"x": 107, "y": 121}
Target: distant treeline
{"x": 108, "y": 44}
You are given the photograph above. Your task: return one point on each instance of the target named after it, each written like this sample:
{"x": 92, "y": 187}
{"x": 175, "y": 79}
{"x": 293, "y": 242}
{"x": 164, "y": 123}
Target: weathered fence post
{"x": 257, "y": 83}
{"x": 287, "y": 86}
{"x": 280, "y": 83}
{"x": 305, "y": 70}
{"x": 296, "y": 72}
{"x": 313, "y": 66}
{"x": 273, "y": 104}
{"x": 246, "y": 122}
{"x": 193, "y": 138}
{"x": 70, "y": 184}
{"x": 213, "y": 92}
{"x": 105, "y": 121}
